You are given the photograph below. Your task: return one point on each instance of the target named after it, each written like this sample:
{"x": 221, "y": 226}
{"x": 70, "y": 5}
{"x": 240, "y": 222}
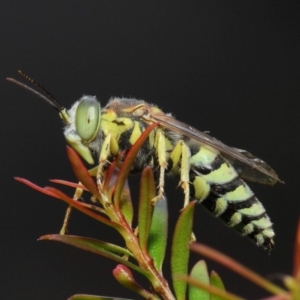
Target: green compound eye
{"x": 87, "y": 118}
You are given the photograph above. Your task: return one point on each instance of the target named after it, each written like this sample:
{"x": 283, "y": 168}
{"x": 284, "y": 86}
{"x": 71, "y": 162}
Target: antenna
{"x": 48, "y": 97}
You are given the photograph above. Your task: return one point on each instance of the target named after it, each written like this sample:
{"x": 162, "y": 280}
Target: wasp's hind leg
{"x": 180, "y": 157}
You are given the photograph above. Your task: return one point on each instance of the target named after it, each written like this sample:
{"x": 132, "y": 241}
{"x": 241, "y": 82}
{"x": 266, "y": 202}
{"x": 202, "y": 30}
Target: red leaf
{"x": 128, "y": 162}
{"x": 81, "y": 172}
{"x": 68, "y": 183}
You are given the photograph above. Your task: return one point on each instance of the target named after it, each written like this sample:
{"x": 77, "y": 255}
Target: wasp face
{"x": 82, "y": 130}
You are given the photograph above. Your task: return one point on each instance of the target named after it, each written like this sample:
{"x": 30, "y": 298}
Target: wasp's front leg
{"x": 160, "y": 146}
{"x": 77, "y": 195}
{"x": 180, "y": 157}
{"x": 109, "y": 148}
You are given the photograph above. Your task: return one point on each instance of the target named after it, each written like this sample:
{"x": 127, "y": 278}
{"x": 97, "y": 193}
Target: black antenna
{"x": 49, "y": 98}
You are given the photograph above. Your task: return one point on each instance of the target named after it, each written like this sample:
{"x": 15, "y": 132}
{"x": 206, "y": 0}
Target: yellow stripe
{"x": 221, "y": 206}
{"x": 259, "y": 239}
{"x": 241, "y": 193}
{"x": 269, "y": 232}
{"x": 235, "y": 219}
{"x": 202, "y": 188}
{"x": 254, "y": 210}
{"x": 262, "y": 222}
{"x": 204, "y": 157}
{"x": 248, "y": 229}
{"x": 136, "y": 132}
{"x": 222, "y": 175}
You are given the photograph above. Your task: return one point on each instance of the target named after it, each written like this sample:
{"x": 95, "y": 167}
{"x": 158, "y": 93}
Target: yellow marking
{"x": 259, "y": 239}
{"x": 254, "y": 210}
{"x": 224, "y": 174}
{"x": 235, "y": 219}
{"x": 136, "y": 132}
{"x": 111, "y": 124}
{"x": 109, "y": 115}
{"x": 202, "y": 188}
{"x": 248, "y": 229}
{"x": 204, "y": 157}
{"x": 269, "y": 232}
{"x": 114, "y": 146}
{"x": 241, "y": 193}
{"x": 263, "y": 222}
{"x": 221, "y": 205}
{"x": 151, "y": 139}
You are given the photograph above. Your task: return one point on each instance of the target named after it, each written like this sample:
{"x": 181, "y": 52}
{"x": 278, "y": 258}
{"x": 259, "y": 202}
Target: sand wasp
{"x": 209, "y": 171}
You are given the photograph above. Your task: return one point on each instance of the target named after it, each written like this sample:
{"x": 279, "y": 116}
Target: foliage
{"x": 145, "y": 243}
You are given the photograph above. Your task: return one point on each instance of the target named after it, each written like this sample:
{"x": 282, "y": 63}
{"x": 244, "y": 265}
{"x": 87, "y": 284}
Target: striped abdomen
{"x": 216, "y": 184}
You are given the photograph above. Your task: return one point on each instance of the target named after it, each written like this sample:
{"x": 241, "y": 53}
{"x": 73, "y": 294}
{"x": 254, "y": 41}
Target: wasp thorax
{"x": 87, "y": 118}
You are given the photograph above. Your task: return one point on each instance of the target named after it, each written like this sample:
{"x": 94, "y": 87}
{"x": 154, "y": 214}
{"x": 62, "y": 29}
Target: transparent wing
{"x": 247, "y": 165}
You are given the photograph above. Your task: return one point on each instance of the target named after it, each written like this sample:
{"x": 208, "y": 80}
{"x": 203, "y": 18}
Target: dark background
{"x": 230, "y": 67}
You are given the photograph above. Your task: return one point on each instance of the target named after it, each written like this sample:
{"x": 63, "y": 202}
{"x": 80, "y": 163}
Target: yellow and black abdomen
{"x": 217, "y": 185}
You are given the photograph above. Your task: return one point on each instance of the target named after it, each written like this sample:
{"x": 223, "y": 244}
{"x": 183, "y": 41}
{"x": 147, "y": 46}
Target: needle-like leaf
{"x": 126, "y": 166}
{"x": 145, "y": 209}
{"x": 82, "y": 174}
{"x": 97, "y": 247}
{"x": 158, "y": 235}
{"x": 199, "y": 273}
{"x": 180, "y": 249}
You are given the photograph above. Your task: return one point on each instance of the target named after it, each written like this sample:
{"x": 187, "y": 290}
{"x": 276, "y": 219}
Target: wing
{"x": 247, "y": 165}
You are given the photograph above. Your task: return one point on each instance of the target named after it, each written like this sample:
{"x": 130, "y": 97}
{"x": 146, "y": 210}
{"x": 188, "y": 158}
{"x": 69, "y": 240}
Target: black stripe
{"x": 222, "y": 189}
{"x": 236, "y": 207}
{"x": 216, "y": 164}
{"x": 124, "y": 143}
{"x": 248, "y": 218}
{"x": 247, "y": 203}
{"x": 210, "y": 201}
{"x": 268, "y": 243}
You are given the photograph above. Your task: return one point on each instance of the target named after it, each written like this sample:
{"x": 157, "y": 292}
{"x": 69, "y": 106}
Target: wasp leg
{"x": 77, "y": 195}
{"x": 109, "y": 147}
{"x": 180, "y": 158}
{"x": 160, "y": 146}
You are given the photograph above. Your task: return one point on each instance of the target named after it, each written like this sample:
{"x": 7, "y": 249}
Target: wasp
{"x": 209, "y": 171}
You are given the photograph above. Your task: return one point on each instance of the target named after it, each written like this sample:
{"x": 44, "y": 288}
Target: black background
{"x": 230, "y": 67}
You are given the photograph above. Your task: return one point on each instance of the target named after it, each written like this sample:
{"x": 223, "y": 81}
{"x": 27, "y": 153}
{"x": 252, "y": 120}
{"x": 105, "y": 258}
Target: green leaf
{"x": 199, "y": 272}
{"x": 95, "y": 246}
{"x": 145, "y": 209}
{"x": 238, "y": 268}
{"x": 125, "y": 277}
{"x": 216, "y": 281}
{"x": 180, "y": 249}
{"x": 126, "y": 206}
{"x": 158, "y": 236}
